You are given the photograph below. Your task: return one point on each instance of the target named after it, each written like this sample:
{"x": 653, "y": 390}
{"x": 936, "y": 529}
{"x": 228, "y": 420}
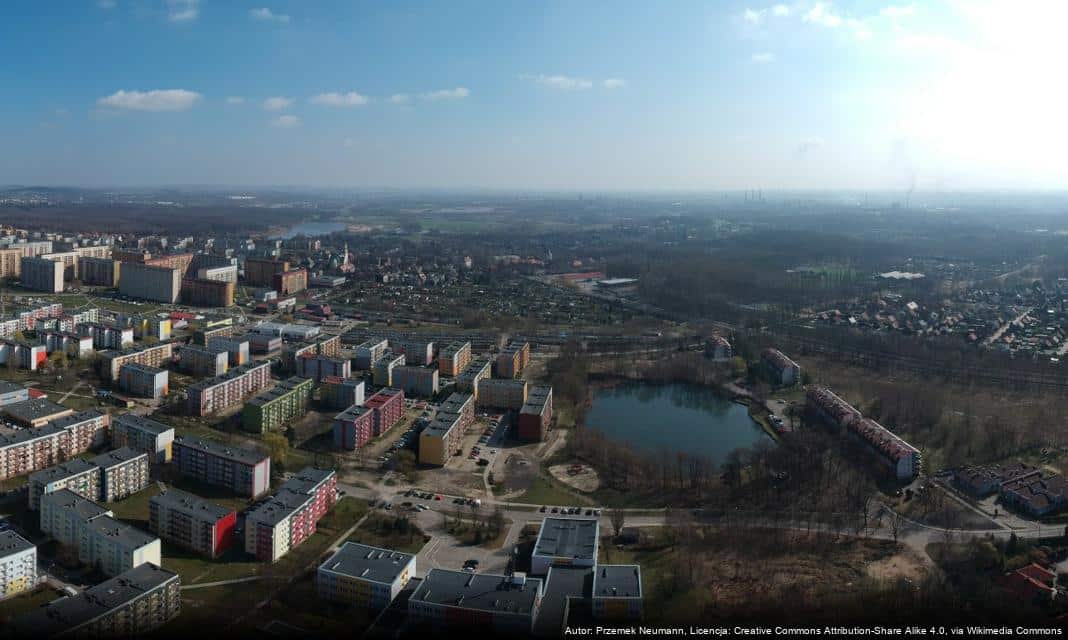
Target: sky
{"x": 583, "y": 95}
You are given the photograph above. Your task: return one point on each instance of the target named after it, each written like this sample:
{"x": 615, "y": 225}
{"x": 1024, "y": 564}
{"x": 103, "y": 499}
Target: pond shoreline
{"x": 604, "y": 382}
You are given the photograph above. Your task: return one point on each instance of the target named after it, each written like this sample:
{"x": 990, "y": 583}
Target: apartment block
{"x": 513, "y": 359}
{"x": 207, "y": 292}
{"x": 785, "y": 371}
{"x": 100, "y": 539}
{"x": 416, "y": 352}
{"x": 468, "y": 380}
{"x": 353, "y": 428}
{"x": 388, "y": 407}
{"x": 123, "y": 472}
{"x": 383, "y": 368}
{"x": 273, "y": 408}
{"x": 338, "y": 393}
{"x": 30, "y": 450}
{"x": 42, "y": 274}
{"x": 260, "y": 271}
{"x": 237, "y": 348}
{"x": 203, "y": 361}
{"x": 106, "y": 336}
{"x": 286, "y": 519}
{"x": 318, "y": 367}
{"x": 231, "y": 388}
{"x": 290, "y": 282}
{"x": 536, "y": 414}
{"x": 22, "y": 354}
{"x": 368, "y": 352}
{"x": 100, "y": 272}
{"x": 18, "y": 564}
{"x": 245, "y": 472}
{"x": 72, "y": 344}
{"x": 441, "y": 439}
{"x": 192, "y": 522}
{"x": 364, "y": 576}
{"x": 129, "y": 605}
{"x": 152, "y": 355}
{"x": 502, "y": 393}
{"x": 453, "y": 358}
{"x": 148, "y": 282}
{"x": 143, "y": 434}
{"x": 143, "y": 381}
{"x": 416, "y": 381}
{"x": 78, "y": 475}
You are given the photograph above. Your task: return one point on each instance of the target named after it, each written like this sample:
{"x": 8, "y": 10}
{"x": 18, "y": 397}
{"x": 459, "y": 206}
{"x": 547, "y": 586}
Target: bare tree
{"x": 617, "y": 517}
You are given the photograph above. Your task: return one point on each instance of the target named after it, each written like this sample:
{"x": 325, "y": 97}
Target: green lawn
{"x": 549, "y": 492}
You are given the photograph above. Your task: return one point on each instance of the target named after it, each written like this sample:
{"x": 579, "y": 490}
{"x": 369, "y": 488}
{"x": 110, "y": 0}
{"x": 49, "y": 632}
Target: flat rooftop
{"x": 307, "y": 480}
{"x": 142, "y": 423}
{"x": 444, "y": 422}
{"x": 236, "y": 372}
{"x": 373, "y": 564}
{"x": 191, "y": 505}
{"x": 220, "y": 450}
{"x": 478, "y": 591}
{"x": 62, "y": 471}
{"x": 128, "y": 536}
{"x": 143, "y": 368}
{"x": 64, "y": 614}
{"x": 568, "y": 538}
{"x": 35, "y": 409}
{"x": 67, "y": 500}
{"x": 117, "y": 457}
{"x": 12, "y": 543}
{"x": 277, "y": 508}
{"x": 617, "y": 581}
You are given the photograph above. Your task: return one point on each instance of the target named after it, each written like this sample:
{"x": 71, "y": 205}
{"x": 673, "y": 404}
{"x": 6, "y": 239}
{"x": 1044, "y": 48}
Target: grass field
{"x": 549, "y": 492}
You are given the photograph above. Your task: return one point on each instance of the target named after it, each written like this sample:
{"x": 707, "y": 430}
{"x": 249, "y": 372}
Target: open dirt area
{"x": 576, "y": 475}
{"x": 905, "y": 564}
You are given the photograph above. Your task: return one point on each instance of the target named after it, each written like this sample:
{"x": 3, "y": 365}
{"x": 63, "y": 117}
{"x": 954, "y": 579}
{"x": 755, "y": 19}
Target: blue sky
{"x": 958, "y": 94}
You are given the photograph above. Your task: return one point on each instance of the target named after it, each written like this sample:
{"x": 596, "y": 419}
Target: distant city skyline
{"x": 598, "y": 96}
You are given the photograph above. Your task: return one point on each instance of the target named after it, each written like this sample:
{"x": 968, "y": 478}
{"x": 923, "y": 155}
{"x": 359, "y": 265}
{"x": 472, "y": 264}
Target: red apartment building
{"x": 388, "y": 408}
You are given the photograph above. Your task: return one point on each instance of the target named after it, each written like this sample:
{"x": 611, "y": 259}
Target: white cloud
{"x": 763, "y": 57}
{"x": 446, "y": 94}
{"x": 399, "y": 98}
{"x": 559, "y": 81}
{"x": 277, "y": 103}
{"x": 266, "y": 15}
{"x": 753, "y": 16}
{"x": 823, "y": 14}
{"x": 183, "y": 10}
{"x": 286, "y": 121}
{"x": 614, "y": 83}
{"x": 780, "y": 11}
{"x": 902, "y": 11}
{"x": 235, "y": 100}
{"x": 350, "y": 99}
{"x": 859, "y": 27}
{"x": 156, "y": 100}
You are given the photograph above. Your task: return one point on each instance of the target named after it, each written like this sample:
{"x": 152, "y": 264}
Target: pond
{"x": 312, "y": 229}
{"x": 673, "y": 417}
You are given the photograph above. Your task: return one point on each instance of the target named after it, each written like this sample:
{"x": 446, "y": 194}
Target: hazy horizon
{"x": 808, "y": 95}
